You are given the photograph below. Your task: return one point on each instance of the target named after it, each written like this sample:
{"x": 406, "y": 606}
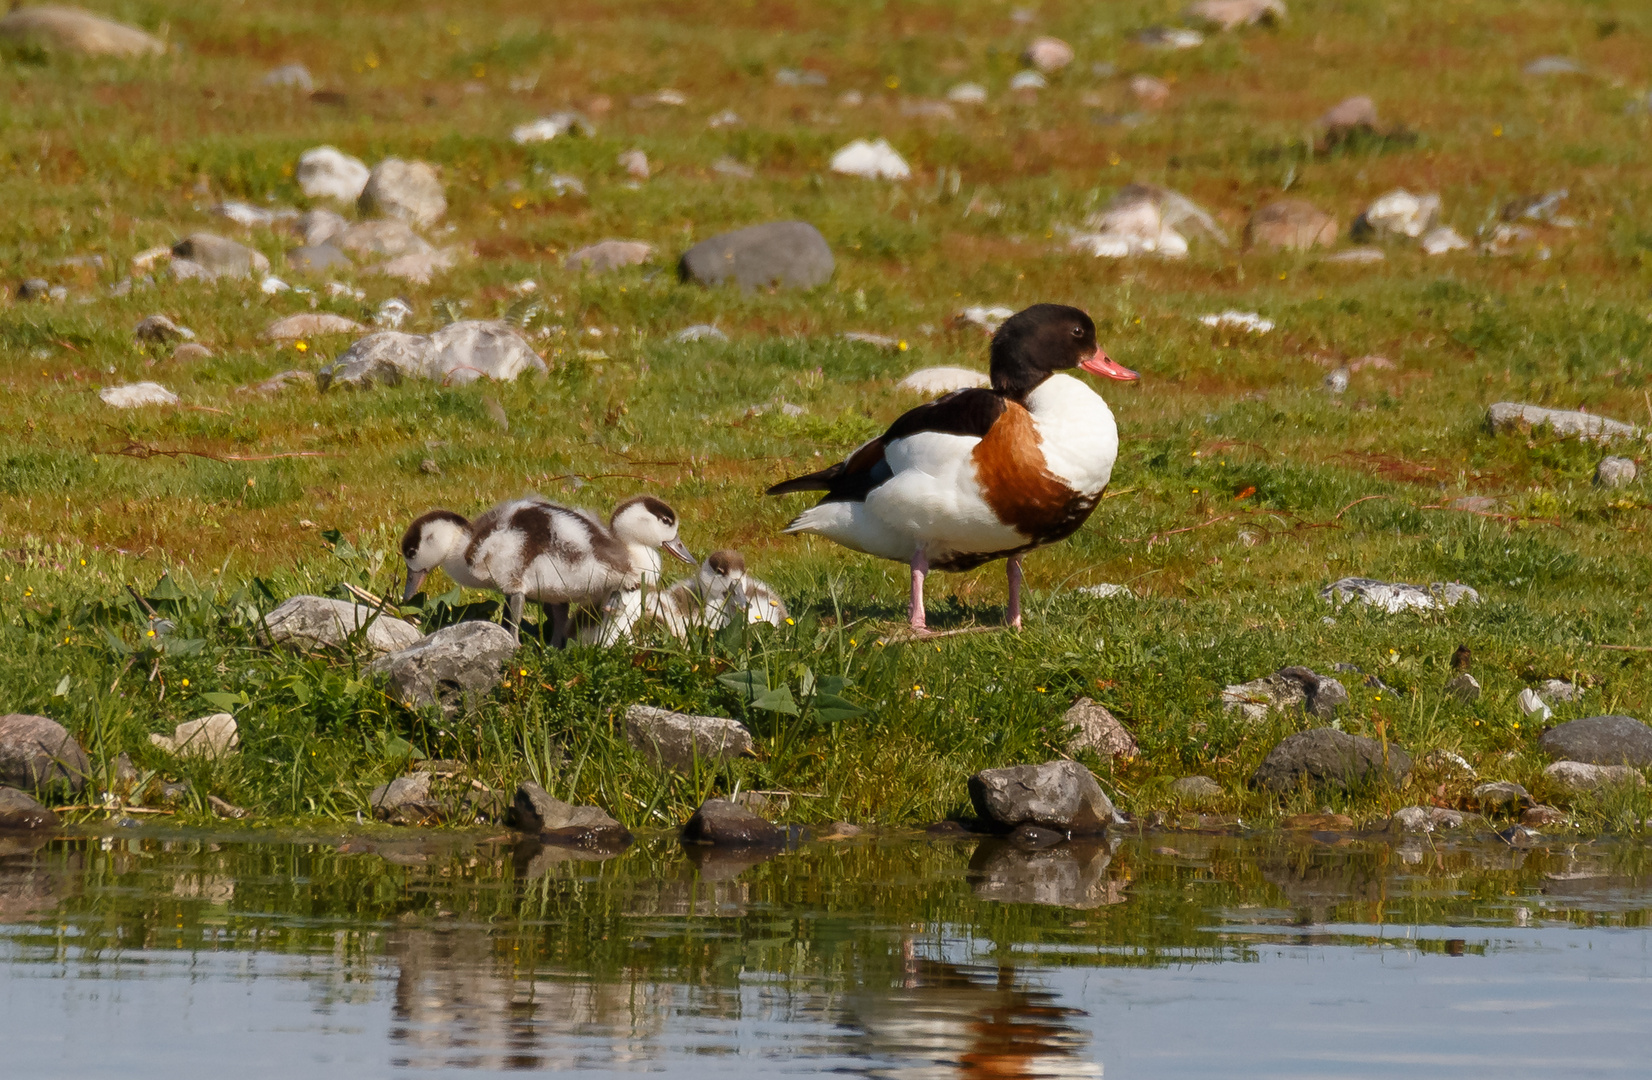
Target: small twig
{"x": 144, "y": 451}
{"x": 1121, "y": 491}
{"x": 113, "y": 809}
{"x": 1356, "y": 502}
{"x": 604, "y": 476}
{"x": 142, "y": 602}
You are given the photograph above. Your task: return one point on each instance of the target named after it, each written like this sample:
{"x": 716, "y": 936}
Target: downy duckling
{"x": 727, "y": 590}
{"x": 718, "y": 594}
{"x": 441, "y": 538}
{"x": 560, "y": 555}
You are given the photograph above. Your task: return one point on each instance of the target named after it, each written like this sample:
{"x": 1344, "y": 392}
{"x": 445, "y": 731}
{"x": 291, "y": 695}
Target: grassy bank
{"x": 1242, "y": 489}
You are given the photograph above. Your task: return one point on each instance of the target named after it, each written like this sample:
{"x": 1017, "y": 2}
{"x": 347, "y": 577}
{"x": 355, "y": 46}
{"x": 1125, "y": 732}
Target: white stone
{"x": 210, "y": 737}
{"x": 1106, "y": 591}
{"x": 1443, "y": 241}
{"x": 320, "y": 621}
{"x": 1395, "y": 597}
{"x": 327, "y": 173}
{"x": 943, "y": 380}
{"x": 987, "y": 318}
{"x": 1238, "y": 320}
{"x": 699, "y": 332}
{"x": 550, "y": 127}
{"x": 873, "y": 160}
{"x": 1048, "y": 54}
{"x": 137, "y": 395}
{"x": 1576, "y": 777}
{"x": 1532, "y": 705}
{"x": 1399, "y": 212}
{"x": 1028, "y": 80}
{"x": 410, "y": 190}
{"x": 967, "y": 94}
{"x": 1508, "y": 415}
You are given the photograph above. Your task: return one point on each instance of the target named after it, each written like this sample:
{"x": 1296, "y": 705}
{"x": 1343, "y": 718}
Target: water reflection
{"x": 904, "y": 958}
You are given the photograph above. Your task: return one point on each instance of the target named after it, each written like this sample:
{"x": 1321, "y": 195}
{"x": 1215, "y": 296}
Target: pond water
{"x": 168, "y": 954}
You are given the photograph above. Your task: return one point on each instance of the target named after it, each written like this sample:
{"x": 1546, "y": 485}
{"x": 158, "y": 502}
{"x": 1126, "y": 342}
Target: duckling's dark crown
{"x": 415, "y": 531}
{"x": 654, "y": 506}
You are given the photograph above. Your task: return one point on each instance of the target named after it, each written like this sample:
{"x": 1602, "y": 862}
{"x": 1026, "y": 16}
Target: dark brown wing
{"x": 962, "y": 412}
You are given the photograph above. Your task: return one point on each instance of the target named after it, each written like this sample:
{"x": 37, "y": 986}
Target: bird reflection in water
{"x": 951, "y": 1021}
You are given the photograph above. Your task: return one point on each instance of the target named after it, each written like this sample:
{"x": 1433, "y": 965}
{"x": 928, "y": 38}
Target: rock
{"x": 249, "y": 216}
{"x": 1446, "y": 763}
{"x": 1029, "y": 81}
{"x": 321, "y": 622}
{"x": 1150, "y": 93}
{"x": 34, "y": 289}
{"x": 535, "y": 810}
{"x": 788, "y": 253}
{"x": 38, "y": 754}
{"x": 315, "y": 258}
{"x": 1248, "y": 321}
{"x": 1336, "y": 382}
{"x": 225, "y": 809}
{"x": 319, "y": 226}
{"x": 1540, "y": 816}
{"x": 1144, "y": 218}
{"x": 1443, "y": 241}
{"x": 454, "y": 668}
{"x": 1574, "y": 777}
{"x": 877, "y": 341}
{"x": 1325, "y": 757}
{"x": 1499, "y": 795}
{"x": 406, "y": 799}
{"x": 471, "y": 349}
{"x": 1287, "y": 688}
{"x": 1060, "y": 795}
{"x": 71, "y": 30}
{"x": 210, "y": 737}
{"x": 1411, "y": 819}
{"x": 872, "y": 160}
{"x": 410, "y": 190}
{"x": 418, "y": 266}
{"x": 137, "y": 395}
{"x": 675, "y": 740}
{"x": 1553, "y": 65}
{"x": 1532, "y": 705}
{"x": 1069, "y": 875}
{"x": 220, "y": 257}
{"x": 1321, "y": 822}
{"x": 191, "y": 352}
{"x": 699, "y": 332}
{"x": 381, "y": 359}
{"x": 392, "y": 313}
{"x": 1349, "y": 115}
{"x": 325, "y": 172}
{"x": 1169, "y": 37}
{"x": 1290, "y": 225}
{"x": 1106, "y": 591}
{"x": 389, "y": 237}
{"x": 988, "y": 319}
{"x": 1559, "y": 690}
{"x": 290, "y": 76}
{"x": 1465, "y": 688}
{"x": 727, "y": 166}
{"x": 1232, "y": 14}
{"x": 1048, "y": 54}
{"x": 1518, "y": 837}
{"x": 1357, "y": 255}
{"x": 280, "y": 381}
{"x": 1398, "y": 213}
{"x": 1394, "y": 597}
{"x": 943, "y": 380}
{"x": 22, "y": 812}
{"x": 1474, "y": 504}
{"x": 311, "y": 324}
{"x": 609, "y": 255}
{"x": 1511, "y": 416}
{"x": 550, "y": 127}
{"x": 635, "y": 164}
{"x": 967, "y": 94}
{"x": 1195, "y": 789}
{"x": 720, "y": 823}
{"x": 1098, "y": 730}
{"x": 1615, "y": 472}
{"x": 1600, "y": 740}
{"x": 725, "y": 119}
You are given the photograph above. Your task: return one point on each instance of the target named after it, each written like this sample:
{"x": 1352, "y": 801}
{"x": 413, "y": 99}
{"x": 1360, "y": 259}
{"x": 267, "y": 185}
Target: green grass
{"x": 1242, "y": 488}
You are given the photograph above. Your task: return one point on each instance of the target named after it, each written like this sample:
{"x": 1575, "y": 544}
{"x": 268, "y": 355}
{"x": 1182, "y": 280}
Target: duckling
{"x": 683, "y": 606}
{"x": 738, "y": 591}
{"x": 560, "y": 555}
{"x": 441, "y": 538}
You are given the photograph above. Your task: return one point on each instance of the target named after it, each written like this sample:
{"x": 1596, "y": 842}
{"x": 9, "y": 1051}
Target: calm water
{"x": 154, "y": 954}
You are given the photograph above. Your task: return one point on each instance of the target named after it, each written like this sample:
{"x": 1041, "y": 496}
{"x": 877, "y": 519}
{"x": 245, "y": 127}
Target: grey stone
{"x": 1425, "y": 819}
{"x": 34, "y": 289}
{"x": 1287, "y": 688}
{"x": 219, "y": 256}
{"x": 280, "y": 381}
{"x": 787, "y": 253}
{"x": 609, "y": 255}
{"x": 382, "y": 359}
{"x": 405, "y": 799}
{"x": 225, "y": 809}
{"x": 1232, "y": 14}
{"x": 676, "y": 740}
{"x": 1098, "y": 730}
{"x": 1615, "y": 472}
{"x": 38, "y": 754}
{"x": 320, "y": 226}
{"x": 210, "y": 737}
{"x": 1512, "y": 416}
{"x": 1059, "y": 795}
{"x": 1600, "y": 740}
{"x": 1446, "y": 763}
{"x": 71, "y": 30}
{"x": 249, "y": 216}
{"x": 292, "y": 77}
{"x": 321, "y": 622}
{"x": 1290, "y": 225}
{"x": 1350, "y": 114}
{"x": 1394, "y": 597}
{"x": 190, "y": 352}
{"x": 1540, "y": 816}
{"x": 1465, "y": 688}
{"x": 410, "y": 190}
{"x": 315, "y": 257}
{"x": 1553, "y": 65}
{"x": 1195, "y": 788}
{"x": 454, "y": 668}
{"x": 1069, "y": 875}
{"x": 21, "y": 812}
{"x": 1325, "y": 757}
{"x": 471, "y": 349}
{"x": 1498, "y": 795}
{"x": 1574, "y": 777}
{"x": 1397, "y": 213}
{"x": 1553, "y": 690}
{"x": 720, "y": 823}
{"x": 388, "y": 237}
{"x": 536, "y": 810}
{"x": 310, "y": 324}
{"x": 159, "y": 329}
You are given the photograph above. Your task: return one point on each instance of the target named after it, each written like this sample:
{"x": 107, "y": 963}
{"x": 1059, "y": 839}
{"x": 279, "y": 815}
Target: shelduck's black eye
{"x": 1078, "y": 331}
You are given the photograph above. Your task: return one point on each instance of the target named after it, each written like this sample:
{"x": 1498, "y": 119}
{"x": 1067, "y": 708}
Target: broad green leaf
{"x": 830, "y": 707}
{"x": 831, "y": 684}
{"x": 167, "y": 589}
{"x": 225, "y": 702}
{"x": 777, "y": 700}
{"x": 62, "y": 687}
{"x": 749, "y": 683}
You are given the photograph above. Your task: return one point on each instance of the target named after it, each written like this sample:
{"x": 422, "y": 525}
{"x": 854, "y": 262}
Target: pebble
{"x": 1195, "y": 788}
{"x": 1512, "y": 416}
{"x": 928, "y": 110}
{"x": 699, "y": 332}
{"x": 872, "y": 160}
{"x": 1106, "y": 591}
{"x": 635, "y": 164}
{"x": 1394, "y": 597}
{"x": 1336, "y": 382}
{"x": 1358, "y": 255}
{"x": 1615, "y": 472}
{"x": 1553, "y": 65}
{"x": 1576, "y": 777}
{"x": 249, "y": 216}
{"x": 1150, "y": 92}
{"x": 1097, "y": 729}
{"x": 1232, "y": 14}
{"x": 725, "y": 119}
{"x": 943, "y": 380}
{"x": 216, "y": 257}
{"x": 392, "y": 313}
{"x": 727, "y": 166}
{"x": 1602, "y": 740}
{"x": 783, "y": 253}
{"x": 1238, "y": 320}
{"x": 1500, "y": 794}
{"x": 675, "y": 740}
{"x": 799, "y": 77}
{"x": 159, "y": 328}
{"x": 1025, "y": 81}
{"x": 1398, "y": 213}
{"x": 1350, "y": 114}
{"x": 1169, "y": 37}
{"x": 325, "y": 172}
{"x": 417, "y": 266}
{"x": 33, "y": 289}
{"x": 987, "y": 318}
{"x": 410, "y": 190}
{"x": 1290, "y": 225}
{"x": 1539, "y": 208}
{"x": 1539, "y": 816}
{"x": 1283, "y": 691}
{"x": 71, "y": 30}
{"x": 609, "y": 255}
{"x": 313, "y": 258}
{"x": 553, "y": 126}
{"x": 137, "y": 395}
{"x": 210, "y": 737}
{"x": 311, "y": 325}
{"x": 191, "y": 352}
{"x": 1443, "y": 241}
{"x": 1444, "y": 762}
{"x": 1048, "y": 54}
{"x": 967, "y": 94}
{"x": 1465, "y": 688}
{"x": 271, "y": 285}
{"x": 276, "y": 383}
{"x": 291, "y": 76}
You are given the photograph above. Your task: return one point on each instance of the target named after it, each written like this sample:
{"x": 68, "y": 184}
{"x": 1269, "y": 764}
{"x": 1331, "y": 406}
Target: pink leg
{"x": 920, "y": 567}
{"x": 1013, "y": 571}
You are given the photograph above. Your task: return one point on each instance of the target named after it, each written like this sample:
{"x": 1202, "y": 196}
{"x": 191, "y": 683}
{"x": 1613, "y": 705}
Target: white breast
{"x": 1076, "y": 431}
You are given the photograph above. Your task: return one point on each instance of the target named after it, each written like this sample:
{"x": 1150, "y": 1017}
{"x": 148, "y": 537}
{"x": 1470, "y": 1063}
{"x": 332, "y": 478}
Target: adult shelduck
{"x": 535, "y": 549}
{"x": 981, "y": 474}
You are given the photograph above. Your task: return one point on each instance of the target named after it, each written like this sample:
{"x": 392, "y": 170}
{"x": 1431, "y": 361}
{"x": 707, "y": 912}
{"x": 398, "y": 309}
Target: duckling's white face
{"x": 648, "y": 522}
{"x": 429, "y": 542}
{"x": 722, "y": 576}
